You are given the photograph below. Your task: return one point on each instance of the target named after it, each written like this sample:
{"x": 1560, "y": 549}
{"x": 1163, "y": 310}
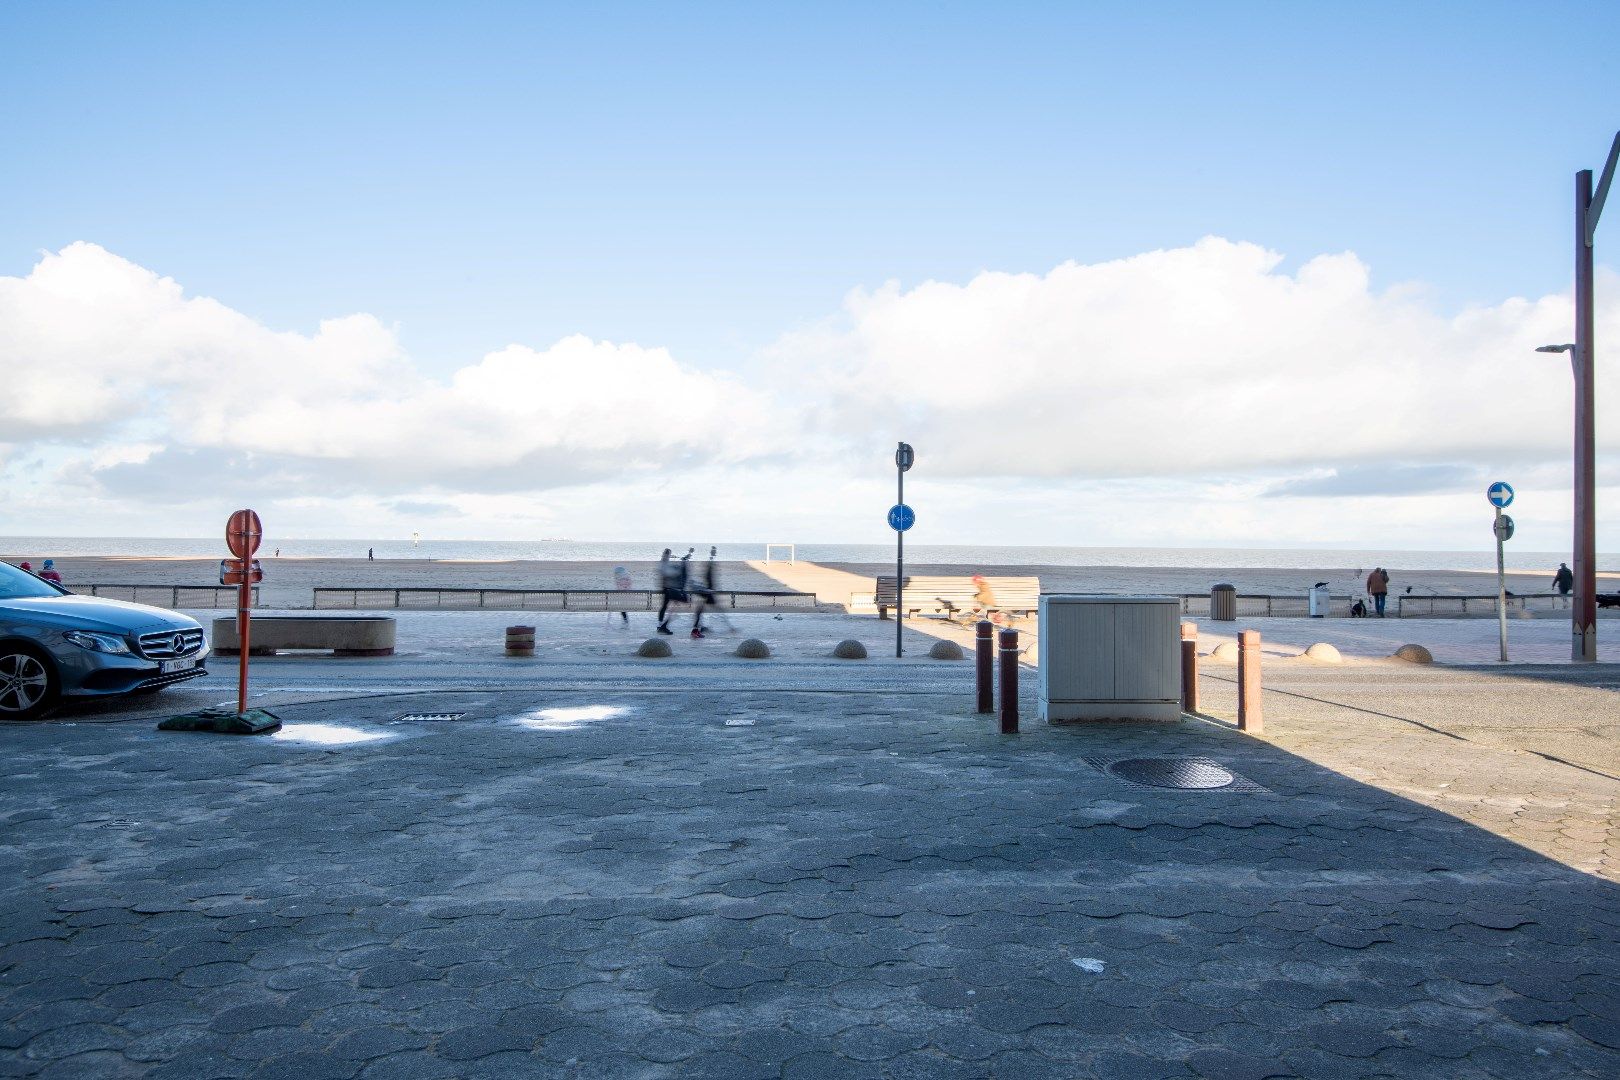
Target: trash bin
{"x": 1320, "y": 600}
{"x": 1223, "y": 603}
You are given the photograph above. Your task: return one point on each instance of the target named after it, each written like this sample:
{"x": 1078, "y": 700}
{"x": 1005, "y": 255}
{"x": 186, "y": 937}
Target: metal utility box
{"x": 1110, "y": 657}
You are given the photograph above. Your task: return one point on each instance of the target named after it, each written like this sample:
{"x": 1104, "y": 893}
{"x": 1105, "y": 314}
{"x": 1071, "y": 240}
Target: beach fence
{"x": 1405, "y": 606}
{"x": 585, "y": 600}
{"x": 169, "y": 596}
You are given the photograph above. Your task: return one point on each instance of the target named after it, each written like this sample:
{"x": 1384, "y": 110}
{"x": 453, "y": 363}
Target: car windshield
{"x": 18, "y": 584}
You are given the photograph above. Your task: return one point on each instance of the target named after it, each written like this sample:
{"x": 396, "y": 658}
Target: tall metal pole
{"x": 1583, "y": 629}
{"x": 1501, "y": 587}
{"x": 899, "y": 565}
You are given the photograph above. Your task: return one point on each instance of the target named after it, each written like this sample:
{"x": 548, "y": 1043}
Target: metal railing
{"x": 1405, "y": 606}
{"x": 169, "y": 596}
{"x": 427, "y": 599}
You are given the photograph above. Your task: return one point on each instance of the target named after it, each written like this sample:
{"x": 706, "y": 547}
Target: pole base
{"x": 221, "y": 720}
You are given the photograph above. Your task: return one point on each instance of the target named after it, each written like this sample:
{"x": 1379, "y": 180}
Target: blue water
{"x": 960, "y": 554}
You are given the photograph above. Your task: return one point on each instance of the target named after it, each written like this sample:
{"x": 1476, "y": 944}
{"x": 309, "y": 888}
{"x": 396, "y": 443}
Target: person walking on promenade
{"x": 1378, "y": 588}
{"x": 48, "y": 572}
{"x": 704, "y": 593}
{"x": 371, "y": 554}
{"x": 1564, "y": 581}
{"x": 672, "y": 579}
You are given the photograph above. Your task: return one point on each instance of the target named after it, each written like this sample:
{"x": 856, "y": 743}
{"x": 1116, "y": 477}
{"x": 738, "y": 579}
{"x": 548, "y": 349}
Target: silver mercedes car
{"x": 55, "y": 645}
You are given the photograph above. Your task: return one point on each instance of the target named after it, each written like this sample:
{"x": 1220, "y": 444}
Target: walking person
{"x": 1378, "y": 588}
{"x": 48, "y": 573}
{"x": 704, "y": 591}
{"x": 672, "y": 579}
{"x": 371, "y": 554}
{"x": 1563, "y": 581}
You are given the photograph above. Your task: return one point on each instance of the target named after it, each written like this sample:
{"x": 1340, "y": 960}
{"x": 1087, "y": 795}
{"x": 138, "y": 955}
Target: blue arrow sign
{"x": 901, "y": 517}
{"x": 1500, "y": 494}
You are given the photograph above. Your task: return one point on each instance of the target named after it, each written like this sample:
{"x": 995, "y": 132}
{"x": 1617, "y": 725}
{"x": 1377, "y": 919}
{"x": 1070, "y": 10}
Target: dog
{"x": 1608, "y": 599}
{"x": 1358, "y": 610}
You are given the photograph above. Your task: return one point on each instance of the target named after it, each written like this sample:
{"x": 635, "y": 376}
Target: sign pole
{"x": 899, "y": 566}
{"x": 1501, "y": 587}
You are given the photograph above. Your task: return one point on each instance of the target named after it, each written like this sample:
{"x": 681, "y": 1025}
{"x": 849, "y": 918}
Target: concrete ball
{"x": 1415, "y": 654}
{"x": 849, "y": 649}
{"x": 945, "y": 650}
{"x": 1323, "y": 653}
{"x": 1226, "y": 651}
{"x": 753, "y": 649}
{"x": 655, "y": 647}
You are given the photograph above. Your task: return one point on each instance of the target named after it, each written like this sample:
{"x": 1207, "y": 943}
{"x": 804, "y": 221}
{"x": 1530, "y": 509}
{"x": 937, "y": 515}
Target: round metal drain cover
{"x": 1177, "y": 773}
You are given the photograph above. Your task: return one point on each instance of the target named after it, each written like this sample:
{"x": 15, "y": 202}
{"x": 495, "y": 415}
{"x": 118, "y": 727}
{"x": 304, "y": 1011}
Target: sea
{"x": 38, "y": 547}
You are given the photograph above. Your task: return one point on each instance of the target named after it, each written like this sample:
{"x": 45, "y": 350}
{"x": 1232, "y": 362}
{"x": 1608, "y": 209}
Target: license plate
{"x": 170, "y": 666}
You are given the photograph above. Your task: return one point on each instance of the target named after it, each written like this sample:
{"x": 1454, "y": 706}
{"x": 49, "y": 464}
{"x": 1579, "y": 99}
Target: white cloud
{"x": 1151, "y": 399}
{"x": 1193, "y": 361}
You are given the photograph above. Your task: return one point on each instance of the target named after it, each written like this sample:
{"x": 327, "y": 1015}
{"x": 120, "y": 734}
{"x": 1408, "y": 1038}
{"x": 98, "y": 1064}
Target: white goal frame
{"x": 792, "y": 553}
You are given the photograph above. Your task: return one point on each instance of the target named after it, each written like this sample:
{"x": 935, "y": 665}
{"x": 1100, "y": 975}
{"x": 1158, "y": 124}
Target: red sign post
{"x": 243, "y": 532}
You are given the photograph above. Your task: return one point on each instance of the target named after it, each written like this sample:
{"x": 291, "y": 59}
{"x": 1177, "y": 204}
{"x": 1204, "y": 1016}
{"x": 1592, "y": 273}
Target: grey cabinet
{"x": 1110, "y": 657}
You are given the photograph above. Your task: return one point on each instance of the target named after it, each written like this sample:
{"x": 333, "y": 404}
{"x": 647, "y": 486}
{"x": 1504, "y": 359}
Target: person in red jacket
{"x": 48, "y": 572}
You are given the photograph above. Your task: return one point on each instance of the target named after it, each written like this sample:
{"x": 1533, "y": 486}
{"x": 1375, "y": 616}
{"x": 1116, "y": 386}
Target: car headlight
{"x": 103, "y": 643}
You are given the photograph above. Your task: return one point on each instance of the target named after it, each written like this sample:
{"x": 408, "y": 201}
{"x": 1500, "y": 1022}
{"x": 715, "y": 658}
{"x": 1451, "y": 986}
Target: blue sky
{"x": 705, "y": 176}
{"x": 718, "y": 180}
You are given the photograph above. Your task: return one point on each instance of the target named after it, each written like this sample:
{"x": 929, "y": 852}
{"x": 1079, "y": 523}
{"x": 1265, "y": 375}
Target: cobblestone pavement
{"x": 628, "y": 881}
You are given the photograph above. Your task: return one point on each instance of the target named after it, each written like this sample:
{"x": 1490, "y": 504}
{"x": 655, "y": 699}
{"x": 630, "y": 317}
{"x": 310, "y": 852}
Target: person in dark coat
{"x": 1378, "y": 588}
{"x": 1564, "y": 582}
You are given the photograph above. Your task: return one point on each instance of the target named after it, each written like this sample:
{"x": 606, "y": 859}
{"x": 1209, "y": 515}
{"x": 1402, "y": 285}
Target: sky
{"x": 1173, "y": 274}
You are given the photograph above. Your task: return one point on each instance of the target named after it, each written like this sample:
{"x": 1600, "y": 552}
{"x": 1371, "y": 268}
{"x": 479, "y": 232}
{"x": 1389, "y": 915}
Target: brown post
{"x": 1250, "y": 717}
{"x": 984, "y": 666}
{"x": 1009, "y": 681}
{"x": 1189, "y": 667}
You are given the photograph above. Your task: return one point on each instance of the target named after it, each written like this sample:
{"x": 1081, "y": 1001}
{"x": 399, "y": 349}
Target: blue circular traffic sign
{"x": 1500, "y": 494}
{"x": 901, "y": 517}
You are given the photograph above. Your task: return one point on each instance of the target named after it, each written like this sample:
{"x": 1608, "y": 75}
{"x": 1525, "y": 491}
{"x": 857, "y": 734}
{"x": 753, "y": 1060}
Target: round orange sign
{"x": 243, "y": 533}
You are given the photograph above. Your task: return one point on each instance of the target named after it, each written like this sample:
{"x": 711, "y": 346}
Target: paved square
{"x": 648, "y": 878}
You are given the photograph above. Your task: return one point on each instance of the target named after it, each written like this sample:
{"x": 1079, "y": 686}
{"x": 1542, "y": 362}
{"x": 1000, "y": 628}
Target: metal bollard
{"x": 1189, "y": 667}
{"x": 1009, "y": 682}
{"x": 984, "y": 666}
{"x": 1250, "y": 717}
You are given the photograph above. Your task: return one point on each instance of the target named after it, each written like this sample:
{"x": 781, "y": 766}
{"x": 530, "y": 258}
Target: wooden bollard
{"x": 1009, "y": 681}
{"x": 520, "y": 641}
{"x": 1250, "y": 716}
{"x": 1189, "y": 667}
{"x": 984, "y": 666}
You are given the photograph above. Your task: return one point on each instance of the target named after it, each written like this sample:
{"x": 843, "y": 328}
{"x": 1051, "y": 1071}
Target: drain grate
{"x": 1175, "y": 774}
{"x": 118, "y": 823}
{"x": 428, "y": 717}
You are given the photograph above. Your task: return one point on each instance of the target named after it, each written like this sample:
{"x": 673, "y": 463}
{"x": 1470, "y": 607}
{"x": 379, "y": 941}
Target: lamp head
{"x": 1555, "y": 348}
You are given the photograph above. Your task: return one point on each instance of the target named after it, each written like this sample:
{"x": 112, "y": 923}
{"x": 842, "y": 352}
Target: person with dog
{"x": 1378, "y": 588}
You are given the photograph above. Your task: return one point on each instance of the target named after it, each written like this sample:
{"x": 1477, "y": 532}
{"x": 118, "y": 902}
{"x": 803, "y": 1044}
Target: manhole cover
{"x": 428, "y": 717}
{"x": 1184, "y": 774}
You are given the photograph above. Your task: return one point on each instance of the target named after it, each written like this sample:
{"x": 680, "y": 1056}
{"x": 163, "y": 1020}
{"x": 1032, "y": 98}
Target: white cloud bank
{"x": 1176, "y": 387}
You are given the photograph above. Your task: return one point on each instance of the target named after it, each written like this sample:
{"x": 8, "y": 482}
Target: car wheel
{"x": 27, "y": 685}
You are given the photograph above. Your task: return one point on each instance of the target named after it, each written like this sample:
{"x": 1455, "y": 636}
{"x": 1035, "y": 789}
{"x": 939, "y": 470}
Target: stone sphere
{"x": 1226, "y": 651}
{"x": 1323, "y": 653}
{"x": 753, "y": 649}
{"x": 849, "y": 649}
{"x": 945, "y": 650}
{"x": 655, "y": 646}
{"x": 1415, "y": 654}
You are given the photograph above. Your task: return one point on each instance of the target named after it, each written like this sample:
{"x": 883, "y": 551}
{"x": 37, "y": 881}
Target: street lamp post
{"x": 1588, "y": 207}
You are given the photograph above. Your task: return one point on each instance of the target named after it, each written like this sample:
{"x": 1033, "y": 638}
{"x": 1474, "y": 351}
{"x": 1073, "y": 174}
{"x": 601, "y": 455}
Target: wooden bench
{"x": 958, "y": 597}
